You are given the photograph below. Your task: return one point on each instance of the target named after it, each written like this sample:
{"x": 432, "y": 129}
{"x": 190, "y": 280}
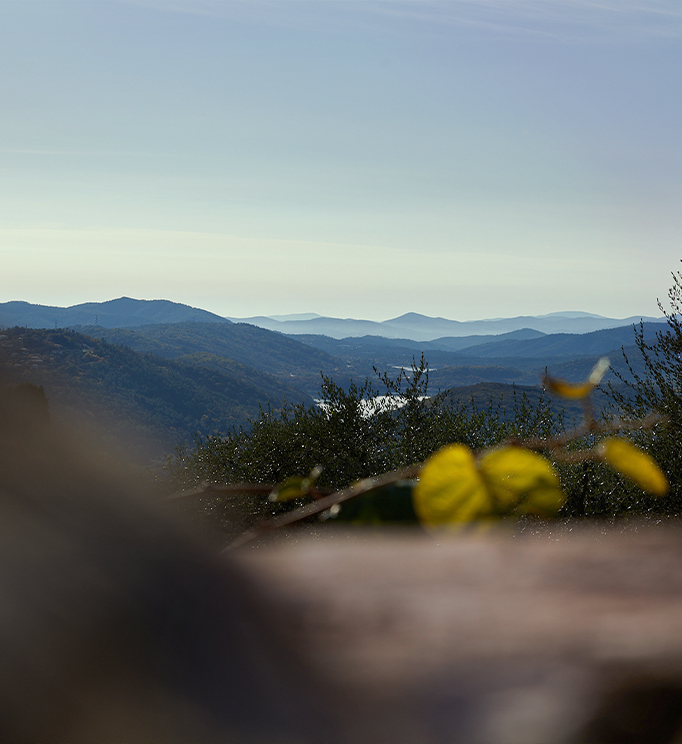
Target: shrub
{"x": 658, "y": 389}
{"x": 352, "y": 434}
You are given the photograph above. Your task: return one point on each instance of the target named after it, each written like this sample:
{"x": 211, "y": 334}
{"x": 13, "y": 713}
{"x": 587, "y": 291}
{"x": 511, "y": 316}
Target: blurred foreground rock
{"x": 493, "y": 638}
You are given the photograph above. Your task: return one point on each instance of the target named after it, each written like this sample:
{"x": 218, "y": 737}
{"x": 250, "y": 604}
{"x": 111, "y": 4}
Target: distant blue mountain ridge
{"x": 418, "y": 327}
{"x": 126, "y": 312}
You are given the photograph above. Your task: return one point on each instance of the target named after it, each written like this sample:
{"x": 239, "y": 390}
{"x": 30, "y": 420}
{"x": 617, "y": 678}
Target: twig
{"x": 326, "y": 502}
{"x": 558, "y": 442}
{"x": 209, "y": 489}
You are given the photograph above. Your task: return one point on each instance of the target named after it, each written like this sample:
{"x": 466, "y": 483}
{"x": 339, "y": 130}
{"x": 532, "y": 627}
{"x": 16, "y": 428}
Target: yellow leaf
{"x": 567, "y": 389}
{"x": 582, "y": 389}
{"x": 631, "y": 461}
{"x": 521, "y": 481}
{"x": 450, "y": 488}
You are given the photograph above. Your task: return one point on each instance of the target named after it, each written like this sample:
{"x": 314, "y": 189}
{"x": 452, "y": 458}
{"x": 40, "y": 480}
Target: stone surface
{"x": 494, "y": 638}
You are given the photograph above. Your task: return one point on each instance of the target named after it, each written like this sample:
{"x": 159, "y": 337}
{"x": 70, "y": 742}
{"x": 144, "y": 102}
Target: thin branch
{"x": 327, "y": 502}
{"x": 593, "y": 427}
{"x": 212, "y": 489}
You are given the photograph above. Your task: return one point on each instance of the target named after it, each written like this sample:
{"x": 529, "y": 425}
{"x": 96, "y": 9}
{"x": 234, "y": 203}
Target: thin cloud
{"x": 80, "y": 153}
{"x": 576, "y": 20}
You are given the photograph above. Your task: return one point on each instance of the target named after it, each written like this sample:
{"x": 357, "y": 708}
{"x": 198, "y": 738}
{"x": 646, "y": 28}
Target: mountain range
{"x": 423, "y": 328}
{"x": 126, "y": 312}
{"x": 168, "y": 371}
{"x": 518, "y": 356}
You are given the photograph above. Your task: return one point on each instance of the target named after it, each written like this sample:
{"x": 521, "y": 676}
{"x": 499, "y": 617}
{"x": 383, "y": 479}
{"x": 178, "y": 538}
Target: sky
{"x": 465, "y": 159}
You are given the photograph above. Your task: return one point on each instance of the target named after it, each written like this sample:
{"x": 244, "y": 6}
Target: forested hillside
{"x": 118, "y": 313}
{"x": 139, "y": 397}
{"x": 563, "y": 345}
{"x": 270, "y": 352}
{"x": 520, "y": 357}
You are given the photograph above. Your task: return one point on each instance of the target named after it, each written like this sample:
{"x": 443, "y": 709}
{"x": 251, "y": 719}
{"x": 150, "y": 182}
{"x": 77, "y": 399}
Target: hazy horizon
{"x": 364, "y": 159}
{"x": 310, "y": 315}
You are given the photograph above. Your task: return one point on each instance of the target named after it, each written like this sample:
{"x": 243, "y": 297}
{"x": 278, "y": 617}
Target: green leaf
{"x": 295, "y": 487}
{"x": 391, "y": 504}
{"x": 632, "y": 462}
{"x": 450, "y": 488}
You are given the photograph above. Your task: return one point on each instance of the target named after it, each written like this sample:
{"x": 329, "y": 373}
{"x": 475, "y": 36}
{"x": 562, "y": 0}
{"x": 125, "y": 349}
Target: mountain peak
{"x": 411, "y": 317}
{"x": 123, "y": 312}
{"x": 294, "y": 316}
{"x": 571, "y": 314}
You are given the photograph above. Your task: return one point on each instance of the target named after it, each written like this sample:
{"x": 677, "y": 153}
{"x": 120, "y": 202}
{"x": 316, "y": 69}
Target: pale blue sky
{"x": 358, "y": 159}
